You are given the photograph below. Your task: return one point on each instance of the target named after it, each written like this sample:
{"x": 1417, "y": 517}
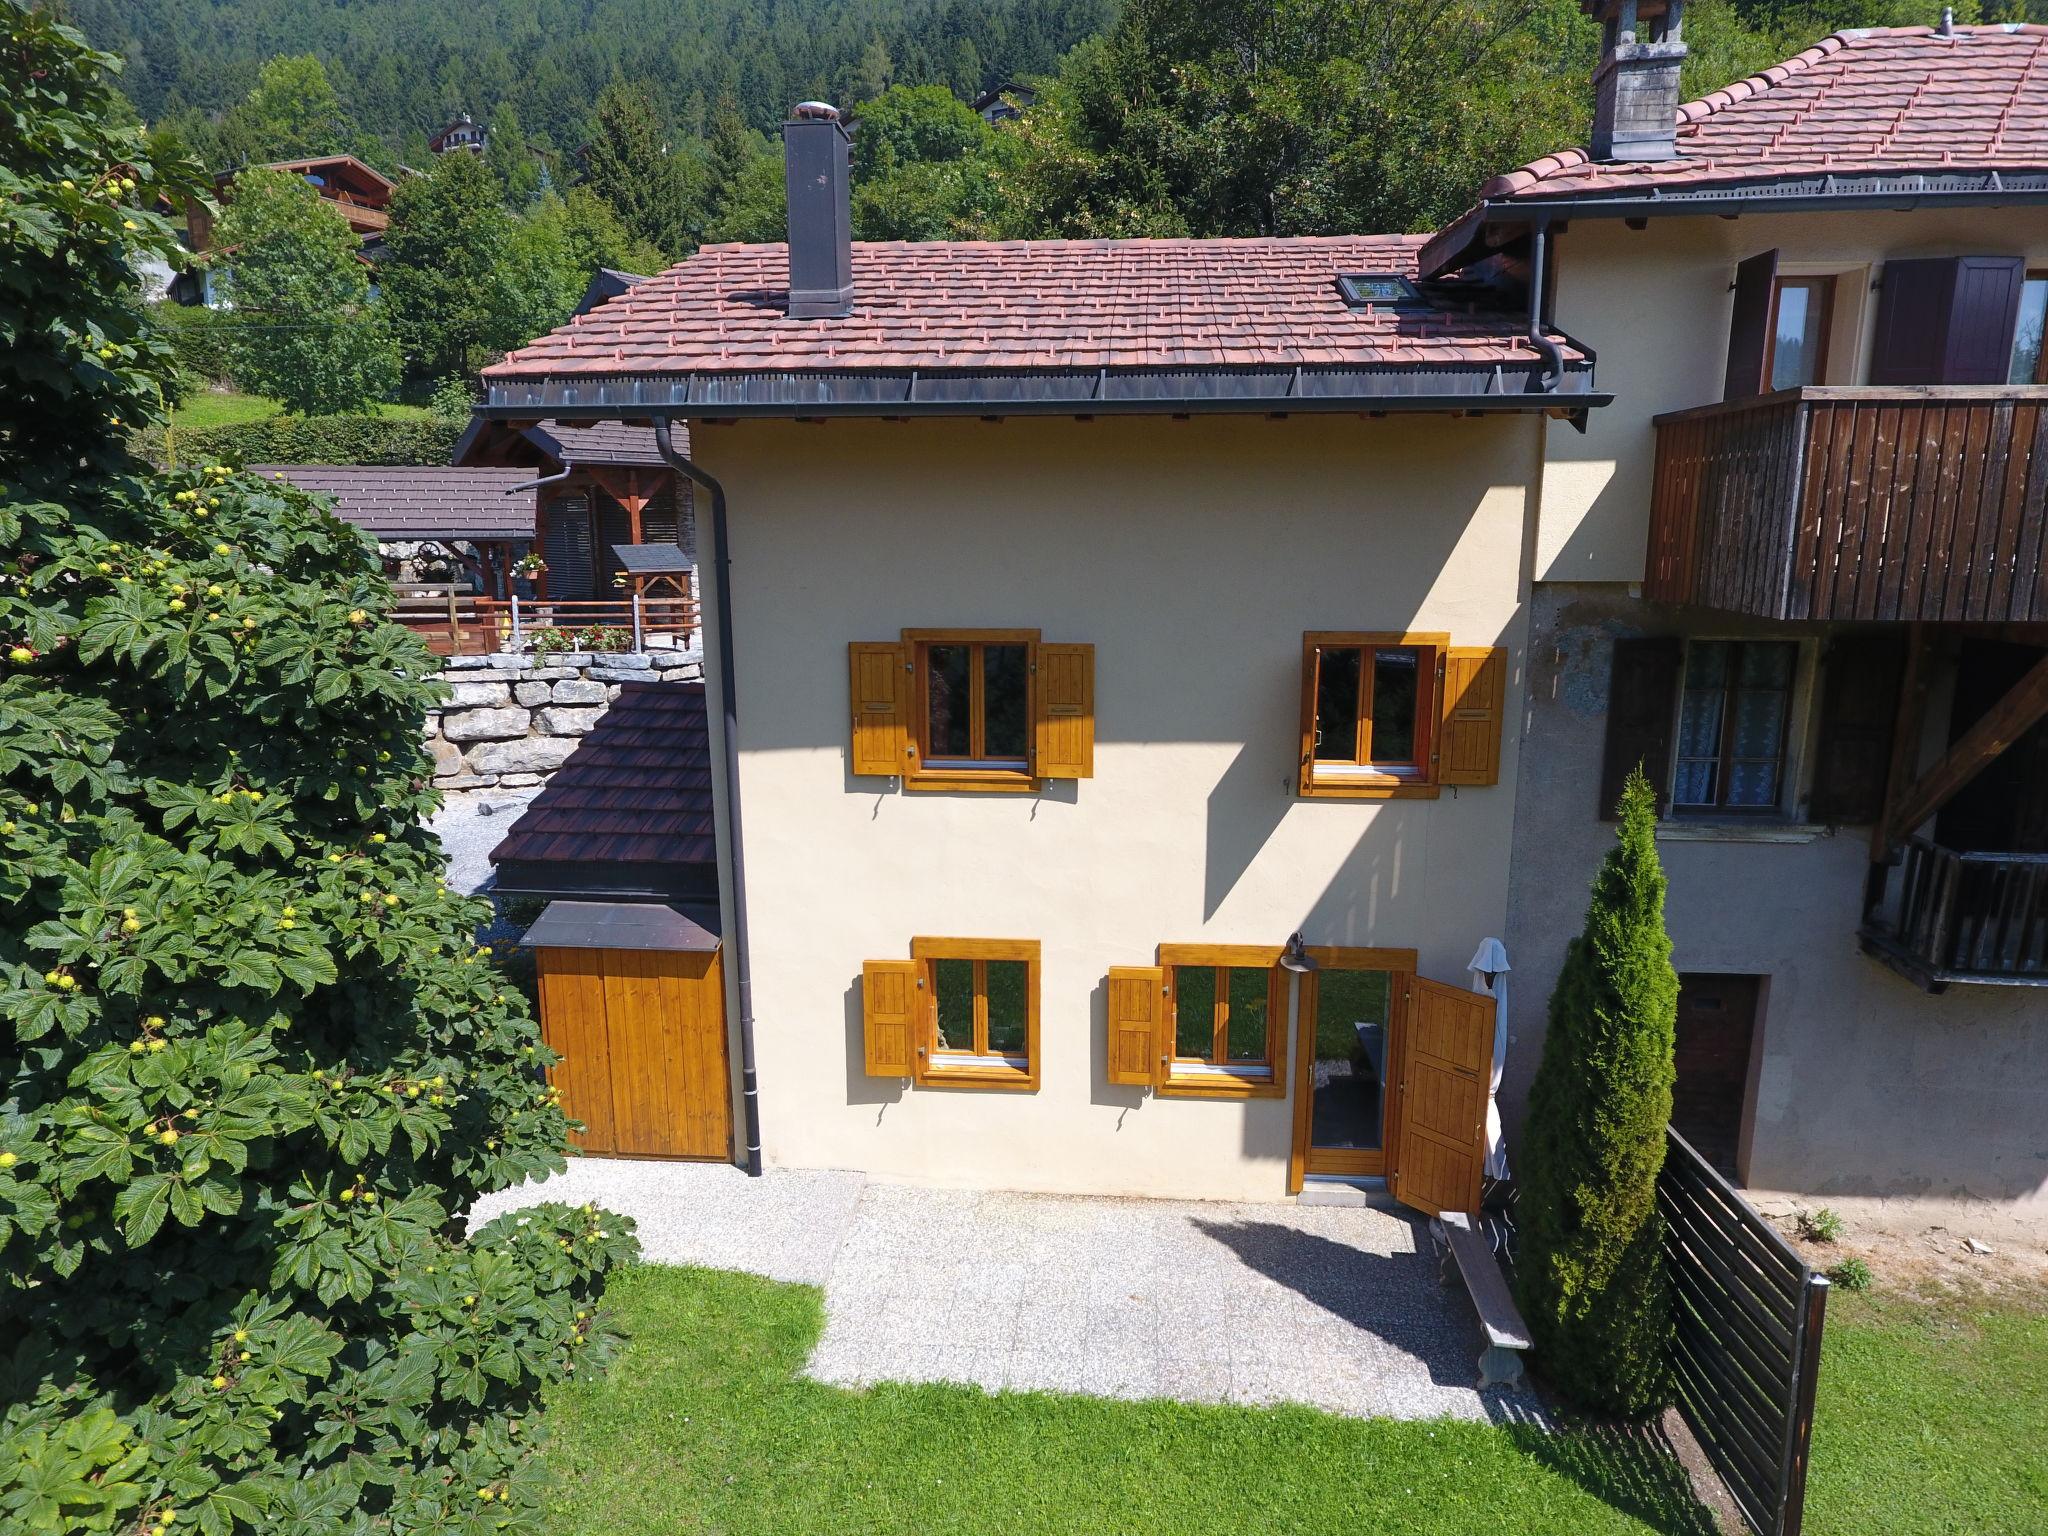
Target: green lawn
{"x": 1933, "y": 1416}
{"x": 705, "y": 1426}
{"x": 225, "y": 408}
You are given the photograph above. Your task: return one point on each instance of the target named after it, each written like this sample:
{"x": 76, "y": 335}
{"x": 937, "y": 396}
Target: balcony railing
{"x": 1948, "y": 916}
{"x": 1897, "y": 503}
{"x": 456, "y": 622}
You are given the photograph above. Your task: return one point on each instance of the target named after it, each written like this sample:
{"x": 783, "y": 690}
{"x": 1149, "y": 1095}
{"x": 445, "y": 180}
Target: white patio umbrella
{"x": 1489, "y": 969}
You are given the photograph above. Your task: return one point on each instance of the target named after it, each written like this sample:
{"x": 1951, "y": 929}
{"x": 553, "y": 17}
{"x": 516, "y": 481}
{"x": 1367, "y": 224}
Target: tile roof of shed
{"x": 617, "y": 444}
{"x": 420, "y": 502}
{"x": 1042, "y": 304}
{"x": 1876, "y": 100}
{"x": 634, "y": 797}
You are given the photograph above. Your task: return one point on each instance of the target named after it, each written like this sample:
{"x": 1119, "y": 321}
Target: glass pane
{"x": 1337, "y": 706}
{"x": 1348, "y": 1083}
{"x": 1759, "y": 725}
{"x": 1396, "y": 685}
{"x": 1694, "y": 782}
{"x": 1194, "y": 1011}
{"x": 946, "y": 684}
{"x": 1767, "y": 664}
{"x": 1247, "y": 1025}
{"x": 1009, "y": 996}
{"x": 1706, "y": 664}
{"x": 1795, "y": 348}
{"x": 2026, "y": 339}
{"x": 1699, "y": 723}
{"x": 1753, "y": 785}
{"x": 954, "y": 982}
{"x": 1005, "y": 674}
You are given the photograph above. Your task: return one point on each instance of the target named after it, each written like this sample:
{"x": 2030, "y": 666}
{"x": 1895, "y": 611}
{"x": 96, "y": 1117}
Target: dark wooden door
{"x": 1716, "y": 1029}
{"x": 642, "y": 1039}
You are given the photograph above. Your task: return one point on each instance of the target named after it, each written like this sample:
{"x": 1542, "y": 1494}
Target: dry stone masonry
{"x": 511, "y": 720}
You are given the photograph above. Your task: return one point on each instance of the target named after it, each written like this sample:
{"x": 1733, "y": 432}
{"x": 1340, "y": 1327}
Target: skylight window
{"x": 1363, "y": 288}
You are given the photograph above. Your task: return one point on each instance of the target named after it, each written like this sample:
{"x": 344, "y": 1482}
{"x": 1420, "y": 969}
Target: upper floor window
{"x": 2027, "y": 353}
{"x": 975, "y": 701}
{"x": 1391, "y": 715}
{"x": 1373, "y": 708}
{"x": 1733, "y": 718}
{"x": 1798, "y": 352}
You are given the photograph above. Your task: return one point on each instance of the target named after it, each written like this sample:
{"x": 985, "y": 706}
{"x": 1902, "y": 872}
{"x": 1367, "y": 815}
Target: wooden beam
{"x": 2002, "y": 724}
{"x": 1906, "y": 726}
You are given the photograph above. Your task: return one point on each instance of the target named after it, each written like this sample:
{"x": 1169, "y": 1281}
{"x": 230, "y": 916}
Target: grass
{"x": 226, "y": 408}
{"x": 1933, "y": 1417}
{"x": 704, "y": 1425}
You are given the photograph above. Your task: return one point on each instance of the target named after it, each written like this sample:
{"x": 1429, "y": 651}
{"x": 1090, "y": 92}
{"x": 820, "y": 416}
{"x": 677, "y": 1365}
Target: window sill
{"x": 1183, "y": 1084}
{"x": 1001, "y": 781}
{"x": 959, "y": 1071}
{"x": 1325, "y": 784}
{"x": 1730, "y": 831}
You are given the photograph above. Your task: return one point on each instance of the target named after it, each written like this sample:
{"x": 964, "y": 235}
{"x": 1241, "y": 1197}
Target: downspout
{"x": 1551, "y": 353}
{"x": 721, "y": 604}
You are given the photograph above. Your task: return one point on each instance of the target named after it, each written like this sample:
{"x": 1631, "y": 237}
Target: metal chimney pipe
{"x": 817, "y": 179}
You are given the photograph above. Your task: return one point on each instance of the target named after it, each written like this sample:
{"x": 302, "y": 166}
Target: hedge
{"x": 310, "y": 440}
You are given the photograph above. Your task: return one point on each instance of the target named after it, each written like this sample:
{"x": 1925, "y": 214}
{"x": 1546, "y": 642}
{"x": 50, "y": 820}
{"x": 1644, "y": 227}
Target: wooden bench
{"x": 1507, "y": 1336}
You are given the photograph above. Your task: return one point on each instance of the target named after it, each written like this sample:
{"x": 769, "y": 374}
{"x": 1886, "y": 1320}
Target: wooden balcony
{"x": 1944, "y": 916}
{"x": 1895, "y": 503}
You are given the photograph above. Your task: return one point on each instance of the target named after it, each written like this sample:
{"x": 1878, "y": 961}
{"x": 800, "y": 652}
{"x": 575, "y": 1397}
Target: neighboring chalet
{"x": 1005, "y": 101}
{"x": 464, "y": 134}
{"x": 477, "y": 522}
{"x": 1144, "y": 671}
{"x": 359, "y": 192}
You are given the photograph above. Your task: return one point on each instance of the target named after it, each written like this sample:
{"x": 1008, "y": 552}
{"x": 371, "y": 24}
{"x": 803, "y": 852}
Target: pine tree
{"x": 253, "y": 1066}
{"x": 1589, "y": 1260}
{"x": 629, "y": 165}
{"x": 447, "y": 246}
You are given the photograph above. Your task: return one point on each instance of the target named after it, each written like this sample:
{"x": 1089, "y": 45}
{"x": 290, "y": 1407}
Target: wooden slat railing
{"x": 1747, "y": 1314}
{"x": 456, "y": 622}
{"x": 1898, "y": 503}
{"x": 1945, "y": 915}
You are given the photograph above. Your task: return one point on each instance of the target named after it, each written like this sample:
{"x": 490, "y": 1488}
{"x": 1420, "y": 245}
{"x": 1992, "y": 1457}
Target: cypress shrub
{"x": 1590, "y": 1258}
{"x": 311, "y": 440}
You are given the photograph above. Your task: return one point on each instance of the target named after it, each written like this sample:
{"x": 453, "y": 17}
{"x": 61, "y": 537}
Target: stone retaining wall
{"x": 511, "y": 721}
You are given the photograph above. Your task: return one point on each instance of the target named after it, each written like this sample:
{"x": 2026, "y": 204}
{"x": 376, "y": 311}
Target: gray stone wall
{"x": 510, "y": 720}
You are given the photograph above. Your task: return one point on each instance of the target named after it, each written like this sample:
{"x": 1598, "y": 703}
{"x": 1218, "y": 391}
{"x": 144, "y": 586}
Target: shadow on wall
{"x": 860, "y": 1088}
{"x": 1101, "y": 1090}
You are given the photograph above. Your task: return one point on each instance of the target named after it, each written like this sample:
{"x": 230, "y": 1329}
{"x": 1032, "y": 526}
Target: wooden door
{"x": 642, "y": 1039}
{"x": 1446, "y": 1062}
{"x": 1716, "y": 1027}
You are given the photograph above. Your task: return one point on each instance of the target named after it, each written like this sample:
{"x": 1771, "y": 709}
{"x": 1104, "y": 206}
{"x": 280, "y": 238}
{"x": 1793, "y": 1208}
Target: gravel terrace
{"x": 1333, "y": 1307}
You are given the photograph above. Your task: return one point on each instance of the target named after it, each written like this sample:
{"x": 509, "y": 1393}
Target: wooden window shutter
{"x": 1913, "y": 302}
{"x": 881, "y": 708}
{"x": 1311, "y": 664}
{"x": 1749, "y": 328}
{"x": 1642, "y": 702}
{"x": 891, "y": 1003}
{"x": 1859, "y": 703}
{"x": 1064, "y": 745}
{"x": 1137, "y": 1005}
{"x": 1475, "y": 695}
{"x": 1986, "y": 307}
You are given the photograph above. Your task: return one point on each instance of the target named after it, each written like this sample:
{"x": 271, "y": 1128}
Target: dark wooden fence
{"x": 1948, "y": 915}
{"x": 1745, "y": 1350}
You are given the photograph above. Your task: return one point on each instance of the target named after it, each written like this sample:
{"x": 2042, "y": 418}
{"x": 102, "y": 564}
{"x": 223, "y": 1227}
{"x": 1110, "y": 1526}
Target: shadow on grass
{"x": 1628, "y": 1467}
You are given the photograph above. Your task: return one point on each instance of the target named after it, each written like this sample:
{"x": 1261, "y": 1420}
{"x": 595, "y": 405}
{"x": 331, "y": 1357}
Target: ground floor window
{"x": 980, "y": 1018}
{"x": 1226, "y": 1010}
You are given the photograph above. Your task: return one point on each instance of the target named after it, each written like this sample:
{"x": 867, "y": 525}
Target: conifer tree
{"x": 1589, "y": 1259}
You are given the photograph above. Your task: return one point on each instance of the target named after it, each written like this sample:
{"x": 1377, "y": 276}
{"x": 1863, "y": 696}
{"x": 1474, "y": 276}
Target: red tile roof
{"x": 1882, "y": 100}
{"x": 1047, "y": 304}
{"x": 415, "y": 502}
{"x": 630, "y": 811}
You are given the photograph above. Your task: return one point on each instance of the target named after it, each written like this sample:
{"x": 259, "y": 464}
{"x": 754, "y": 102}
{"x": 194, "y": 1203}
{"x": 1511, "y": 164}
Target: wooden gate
{"x": 642, "y": 1039}
{"x": 1446, "y": 1062}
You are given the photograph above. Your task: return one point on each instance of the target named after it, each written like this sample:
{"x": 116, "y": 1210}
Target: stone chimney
{"x": 1635, "y": 89}
{"x": 817, "y": 175}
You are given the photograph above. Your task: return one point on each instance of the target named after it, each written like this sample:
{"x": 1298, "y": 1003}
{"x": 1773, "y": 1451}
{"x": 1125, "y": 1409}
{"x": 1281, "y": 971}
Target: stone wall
{"x": 510, "y": 720}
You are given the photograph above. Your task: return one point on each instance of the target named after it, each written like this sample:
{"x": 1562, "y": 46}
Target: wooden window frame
{"x": 982, "y": 1069}
{"x": 1823, "y": 299}
{"x": 2035, "y": 275}
{"x": 952, "y": 774}
{"x": 1725, "y": 759}
{"x": 1360, "y": 778}
{"x": 1206, "y": 1077}
{"x": 1399, "y": 965}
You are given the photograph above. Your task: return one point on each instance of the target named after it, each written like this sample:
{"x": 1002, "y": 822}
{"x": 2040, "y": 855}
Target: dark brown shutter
{"x": 1642, "y": 698}
{"x": 1986, "y": 307}
{"x": 1859, "y": 703}
{"x": 1749, "y": 330}
{"x": 1913, "y": 300}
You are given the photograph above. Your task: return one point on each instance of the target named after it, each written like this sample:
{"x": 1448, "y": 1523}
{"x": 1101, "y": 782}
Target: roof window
{"x": 1363, "y": 288}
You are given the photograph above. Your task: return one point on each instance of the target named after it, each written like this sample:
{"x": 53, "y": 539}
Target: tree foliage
{"x": 1589, "y": 1260}
{"x": 253, "y": 1067}
{"x": 446, "y": 250}
{"x": 305, "y": 331}
{"x": 629, "y": 163}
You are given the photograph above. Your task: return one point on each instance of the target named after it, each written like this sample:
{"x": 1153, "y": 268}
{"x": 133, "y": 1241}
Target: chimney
{"x": 816, "y": 174}
{"x": 1635, "y": 89}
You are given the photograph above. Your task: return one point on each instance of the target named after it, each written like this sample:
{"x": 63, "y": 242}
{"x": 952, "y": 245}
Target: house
{"x": 356, "y": 190}
{"x": 1147, "y": 671}
{"x": 476, "y": 523}
{"x": 464, "y": 134}
{"x": 1005, "y": 101}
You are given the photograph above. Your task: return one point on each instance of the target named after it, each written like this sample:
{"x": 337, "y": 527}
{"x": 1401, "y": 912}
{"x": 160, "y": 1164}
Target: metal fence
{"x": 1745, "y": 1349}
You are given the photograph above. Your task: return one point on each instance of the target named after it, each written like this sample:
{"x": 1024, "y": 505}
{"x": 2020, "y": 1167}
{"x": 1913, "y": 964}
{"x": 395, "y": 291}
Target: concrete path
{"x": 1208, "y": 1303}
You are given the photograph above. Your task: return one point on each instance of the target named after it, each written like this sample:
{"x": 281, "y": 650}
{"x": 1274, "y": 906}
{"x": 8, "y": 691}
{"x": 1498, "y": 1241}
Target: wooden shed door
{"x": 642, "y": 1039}
{"x": 1446, "y": 1060}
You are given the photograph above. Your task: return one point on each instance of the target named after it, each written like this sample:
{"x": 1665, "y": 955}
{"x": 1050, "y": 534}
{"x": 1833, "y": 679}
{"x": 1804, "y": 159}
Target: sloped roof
{"x": 629, "y": 813}
{"x": 615, "y": 444}
{"x": 420, "y": 502}
{"x": 1881, "y": 99}
{"x": 1048, "y": 304}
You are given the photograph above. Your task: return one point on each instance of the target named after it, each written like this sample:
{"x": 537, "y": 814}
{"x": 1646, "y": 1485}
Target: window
{"x": 959, "y": 1012}
{"x": 1226, "y": 1012}
{"x": 1363, "y": 288}
{"x": 1390, "y": 715}
{"x": 1798, "y": 347}
{"x": 973, "y": 709}
{"x": 1733, "y": 714}
{"x": 2027, "y": 353}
